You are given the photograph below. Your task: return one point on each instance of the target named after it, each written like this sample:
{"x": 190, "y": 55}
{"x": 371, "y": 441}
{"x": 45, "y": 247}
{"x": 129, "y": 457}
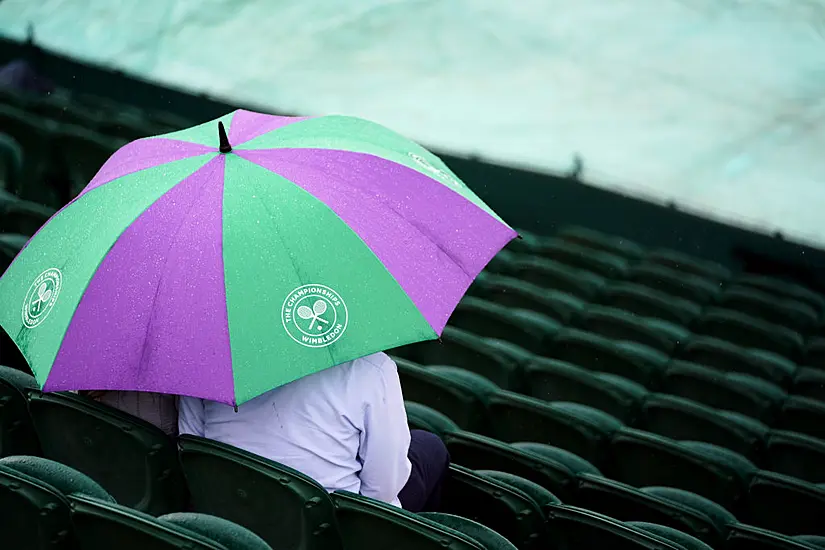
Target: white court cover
{"x": 717, "y": 105}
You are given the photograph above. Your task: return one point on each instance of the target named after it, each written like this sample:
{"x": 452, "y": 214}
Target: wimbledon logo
{"x": 314, "y": 315}
{"x": 41, "y": 297}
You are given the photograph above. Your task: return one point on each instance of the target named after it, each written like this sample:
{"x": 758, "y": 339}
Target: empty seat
{"x": 649, "y": 302}
{"x": 729, "y": 357}
{"x": 528, "y": 329}
{"x": 815, "y": 353}
{"x": 558, "y": 276}
{"x": 707, "y": 521}
{"x": 810, "y": 382}
{"x": 620, "y": 325}
{"x": 803, "y": 415}
{"x": 132, "y": 459}
{"x": 244, "y": 488}
{"x": 683, "y": 419}
{"x": 597, "y": 353}
{"x": 517, "y": 294}
{"x": 554, "y": 380}
{"x": 17, "y": 435}
{"x": 684, "y": 285}
{"x": 786, "y": 504}
{"x": 32, "y": 134}
{"x": 793, "y": 314}
{"x": 604, "y": 264}
{"x": 643, "y": 459}
{"x": 488, "y": 538}
{"x": 577, "y": 428}
{"x": 571, "y": 460}
{"x": 779, "y": 287}
{"x": 484, "y": 453}
{"x": 597, "y": 240}
{"x": 742, "y": 393}
{"x": 422, "y": 417}
{"x": 796, "y": 455}
{"x": 501, "y": 507}
{"x": 748, "y": 537}
{"x": 749, "y": 332}
{"x": 11, "y": 162}
{"x": 230, "y": 535}
{"x": 366, "y": 524}
{"x": 689, "y": 264}
{"x": 662, "y": 532}
{"x": 538, "y": 494}
{"x": 66, "y": 480}
{"x": 460, "y": 348}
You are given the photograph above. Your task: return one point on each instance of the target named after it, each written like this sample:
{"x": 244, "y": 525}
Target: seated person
{"x": 345, "y": 427}
{"x": 156, "y": 408}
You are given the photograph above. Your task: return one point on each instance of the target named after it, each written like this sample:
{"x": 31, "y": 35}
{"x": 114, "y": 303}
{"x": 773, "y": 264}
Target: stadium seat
{"x": 571, "y": 460}
{"x": 793, "y": 314}
{"x": 680, "y": 284}
{"x": 749, "y": 332}
{"x": 603, "y": 264}
{"x": 748, "y": 537}
{"x": 368, "y": 524}
{"x": 803, "y": 415}
{"x": 644, "y": 459}
{"x": 815, "y": 353}
{"x": 810, "y": 383}
{"x": 462, "y": 399}
{"x": 132, "y": 459}
{"x": 502, "y": 263}
{"x": 33, "y": 137}
{"x": 648, "y": 302}
{"x": 11, "y": 162}
{"x": 64, "y": 479}
{"x": 17, "y": 435}
{"x": 682, "y": 419}
{"x": 81, "y": 153}
{"x": 21, "y": 217}
{"x": 460, "y": 348}
{"x": 689, "y": 264}
{"x": 422, "y": 417}
{"x": 597, "y": 240}
{"x": 484, "y": 453}
{"x": 528, "y": 329}
{"x": 620, "y": 325}
{"x": 100, "y": 525}
{"x": 538, "y": 494}
{"x": 742, "y": 393}
{"x": 785, "y": 504}
{"x": 668, "y": 534}
{"x": 10, "y": 246}
{"x": 580, "y": 529}
{"x": 229, "y": 534}
{"x": 599, "y": 354}
{"x": 497, "y": 505}
{"x": 554, "y": 380}
{"x": 728, "y": 357}
{"x": 785, "y": 289}
{"x": 706, "y": 520}
{"x": 796, "y": 455}
{"x": 555, "y": 275}
{"x": 577, "y": 428}
{"x": 488, "y": 538}
{"x": 517, "y": 294}
{"x": 281, "y": 505}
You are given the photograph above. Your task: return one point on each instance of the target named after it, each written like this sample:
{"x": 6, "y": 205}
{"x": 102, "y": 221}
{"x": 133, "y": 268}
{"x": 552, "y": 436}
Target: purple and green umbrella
{"x": 191, "y": 266}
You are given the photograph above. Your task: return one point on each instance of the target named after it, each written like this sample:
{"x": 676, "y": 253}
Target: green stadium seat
{"x": 815, "y": 541}
{"x": 67, "y": 481}
{"x": 617, "y": 324}
{"x": 810, "y": 382}
{"x": 32, "y": 135}
{"x": 517, "y": 294}
{"x": 577, "y": 428}
{"x": 229, "y": 534}
{"x": 485, "y": 453}
{"x": 648, "y": 302}
{"x": 796, "y": 455}
{"x": 555, "y": 275}
{"x": 11, "y": 162}
{"x": 21, "y": 217}
{"x": 81, "y": 153}
{"x": 10, "y": 245}
{"x": 577, "y": 528}
{"x": 462, "y": 399}
{"x": 599, "y": 354}
{"x": 786, "y": 504}
{"x": 793, "y": 314}
{"x": 528, "y": 329}
{"x": 422, "y": 417}
{"x": 460, "y": 348}
{"x": 748, "y": 537}
{"x": 488, "y": 538}
{"x": 644, "y": 459}
{"x": 503, "y": 263}
{"x": 749, "y": 332}
{"x": 132, "y": 459}
{"x": 538, "y": 494}
{"x": 284, "y": 507}
{"x": 603, "y": 264}
{"x": 668, "y": 534}
{"x": 682, "y": 419}
{"x": 815, "y": 353}
{"x": 101, "y": 525}
{"x": 803, "y": 415}
{"x": 17, "y": 435}
{"x": 699, "y": 517}
{"x": 728, "y": 357}
{"x": 497, "y": 505}
{"x": 690, "y": 264}
{"x": 681, "y": 284}
{"x": 554, "y": 380}
{"x": 786, "y": 289}
{"x": 574, "y": 462}
{"x": 368, "y": 524}
{"x": 742, "y": 393}
{"x": 597, "y": 240}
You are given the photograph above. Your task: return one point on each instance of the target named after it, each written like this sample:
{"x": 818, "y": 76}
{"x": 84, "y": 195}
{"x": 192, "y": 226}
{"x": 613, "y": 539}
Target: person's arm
{"x": 385, "y": 439}
{"x": 191, "y": 416}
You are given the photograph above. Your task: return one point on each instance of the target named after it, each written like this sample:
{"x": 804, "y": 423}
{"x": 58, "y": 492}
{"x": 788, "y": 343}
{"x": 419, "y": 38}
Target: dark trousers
{"x": 430, "y": 461}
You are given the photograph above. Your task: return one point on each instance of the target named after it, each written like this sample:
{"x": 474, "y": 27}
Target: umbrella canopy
{"x": 223, "y": 264}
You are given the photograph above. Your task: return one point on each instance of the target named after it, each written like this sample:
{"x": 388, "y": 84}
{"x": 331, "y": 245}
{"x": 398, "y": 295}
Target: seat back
{"x": 785, "y": 504}
{"x": 231, "y": 535}
{"x": 572, "y": 527}
{"x": 422, "y": 417}
{"x": 488, "y": 538}
{"x": 748, "y": 537}
{"x": 17, "y": 435}
{"x": 796, "y": 455}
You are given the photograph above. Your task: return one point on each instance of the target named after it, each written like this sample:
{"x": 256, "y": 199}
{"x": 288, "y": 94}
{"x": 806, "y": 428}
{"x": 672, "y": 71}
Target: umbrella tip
{"x": 225, "y": 147}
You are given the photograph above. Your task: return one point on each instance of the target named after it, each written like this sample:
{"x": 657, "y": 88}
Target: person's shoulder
{"x": 376, "y": 364}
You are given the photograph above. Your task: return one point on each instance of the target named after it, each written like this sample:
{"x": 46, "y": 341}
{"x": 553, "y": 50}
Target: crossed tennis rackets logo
{"x": 318, "y": 309}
